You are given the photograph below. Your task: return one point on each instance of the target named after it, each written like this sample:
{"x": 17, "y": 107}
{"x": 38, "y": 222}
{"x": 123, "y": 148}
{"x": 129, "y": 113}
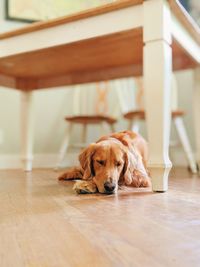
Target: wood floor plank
{"x": 44, "y": 223}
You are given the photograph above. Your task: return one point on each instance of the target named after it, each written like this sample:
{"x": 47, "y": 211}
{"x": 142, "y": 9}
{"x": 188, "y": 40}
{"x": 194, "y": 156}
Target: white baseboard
{"x": 49, "y": 160}
{"x": 11, "y": 161}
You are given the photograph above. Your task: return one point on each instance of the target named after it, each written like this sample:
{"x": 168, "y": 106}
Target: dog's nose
{"x": 109, "y": 187}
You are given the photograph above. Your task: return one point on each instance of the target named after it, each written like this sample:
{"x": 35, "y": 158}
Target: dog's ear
{"x": 127, "y": 172}
{"x": 85, "y": 159}
{"x": 140, "y": 175}
{"x": 134, "y": 171}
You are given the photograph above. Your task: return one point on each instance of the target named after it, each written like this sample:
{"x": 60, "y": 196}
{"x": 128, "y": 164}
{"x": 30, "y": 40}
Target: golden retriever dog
{"x": 116, "y": 159}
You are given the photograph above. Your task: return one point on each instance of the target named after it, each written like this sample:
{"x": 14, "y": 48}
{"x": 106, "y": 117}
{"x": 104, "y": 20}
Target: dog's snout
{"x": 109, "y": 187}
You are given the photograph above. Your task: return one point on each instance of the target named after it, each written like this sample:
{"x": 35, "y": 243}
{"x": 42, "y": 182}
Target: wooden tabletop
{"x": 105, "y": 57}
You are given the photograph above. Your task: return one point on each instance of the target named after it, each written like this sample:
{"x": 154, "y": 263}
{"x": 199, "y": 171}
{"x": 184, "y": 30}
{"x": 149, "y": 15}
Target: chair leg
{"x": 84, "y": 134}
{"x": 112, "y": 128}
{"x": 103, "y": 129}
{"x": 134, "y": 126}
{"x": 64, "y": 145}
{"x": 178, "y": 121}
{"x": 196, "y": 115}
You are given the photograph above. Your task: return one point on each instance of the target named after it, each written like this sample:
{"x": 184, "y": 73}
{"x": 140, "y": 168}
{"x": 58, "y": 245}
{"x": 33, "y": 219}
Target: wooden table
{"x": 122, "y": 39}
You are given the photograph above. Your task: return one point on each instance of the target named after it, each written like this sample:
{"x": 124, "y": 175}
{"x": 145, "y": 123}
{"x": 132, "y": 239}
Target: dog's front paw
{"x": 85, "y": 187}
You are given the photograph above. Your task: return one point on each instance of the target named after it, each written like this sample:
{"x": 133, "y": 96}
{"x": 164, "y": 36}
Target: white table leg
{"x": 197, "y": 113}
{"x": 27, "y": 130}
{"x": 157, "y": 89}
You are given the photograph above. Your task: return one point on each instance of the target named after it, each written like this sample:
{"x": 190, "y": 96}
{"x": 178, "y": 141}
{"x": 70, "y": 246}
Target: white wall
{"x": 7, "y": 25}
{"x": 51, "y": 106}
{"x": 185, "y": 88}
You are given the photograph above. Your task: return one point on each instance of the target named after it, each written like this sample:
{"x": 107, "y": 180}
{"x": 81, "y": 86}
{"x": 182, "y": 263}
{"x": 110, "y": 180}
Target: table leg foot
{"x": 159, "y": 178}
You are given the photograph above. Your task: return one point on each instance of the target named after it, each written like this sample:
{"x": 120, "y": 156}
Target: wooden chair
{"x": 89, "y": 107}
{"x": 136, "y": 113}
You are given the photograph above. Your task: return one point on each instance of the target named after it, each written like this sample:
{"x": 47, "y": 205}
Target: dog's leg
{"x": 140, "y": 180}
{"x": 72, "y": 174}
{"x": 85, "y": 187}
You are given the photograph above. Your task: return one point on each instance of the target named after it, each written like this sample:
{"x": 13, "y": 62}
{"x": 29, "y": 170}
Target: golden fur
{"x": 116, "y": 159}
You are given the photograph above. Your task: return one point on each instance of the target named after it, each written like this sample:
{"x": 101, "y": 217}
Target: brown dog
{"x": 116, "y": 159}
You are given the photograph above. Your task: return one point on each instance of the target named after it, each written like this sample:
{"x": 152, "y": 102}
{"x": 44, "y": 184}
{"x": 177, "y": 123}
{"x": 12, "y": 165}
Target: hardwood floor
{"x": 44, "y": 223}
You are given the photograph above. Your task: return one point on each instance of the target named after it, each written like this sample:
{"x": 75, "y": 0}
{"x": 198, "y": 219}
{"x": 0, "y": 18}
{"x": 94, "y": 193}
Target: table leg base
{"x": 27, "y": 164}
{"x": 159, "y": 176}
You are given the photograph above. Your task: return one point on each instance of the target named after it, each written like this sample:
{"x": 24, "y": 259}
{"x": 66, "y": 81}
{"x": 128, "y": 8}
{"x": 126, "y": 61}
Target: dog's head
{"x": 109, "y": 163}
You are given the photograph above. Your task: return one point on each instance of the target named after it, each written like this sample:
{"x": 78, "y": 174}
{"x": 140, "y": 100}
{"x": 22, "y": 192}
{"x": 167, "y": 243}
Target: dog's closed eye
{"x": 101, "y": 162}
{"x": 118, "y": 163}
